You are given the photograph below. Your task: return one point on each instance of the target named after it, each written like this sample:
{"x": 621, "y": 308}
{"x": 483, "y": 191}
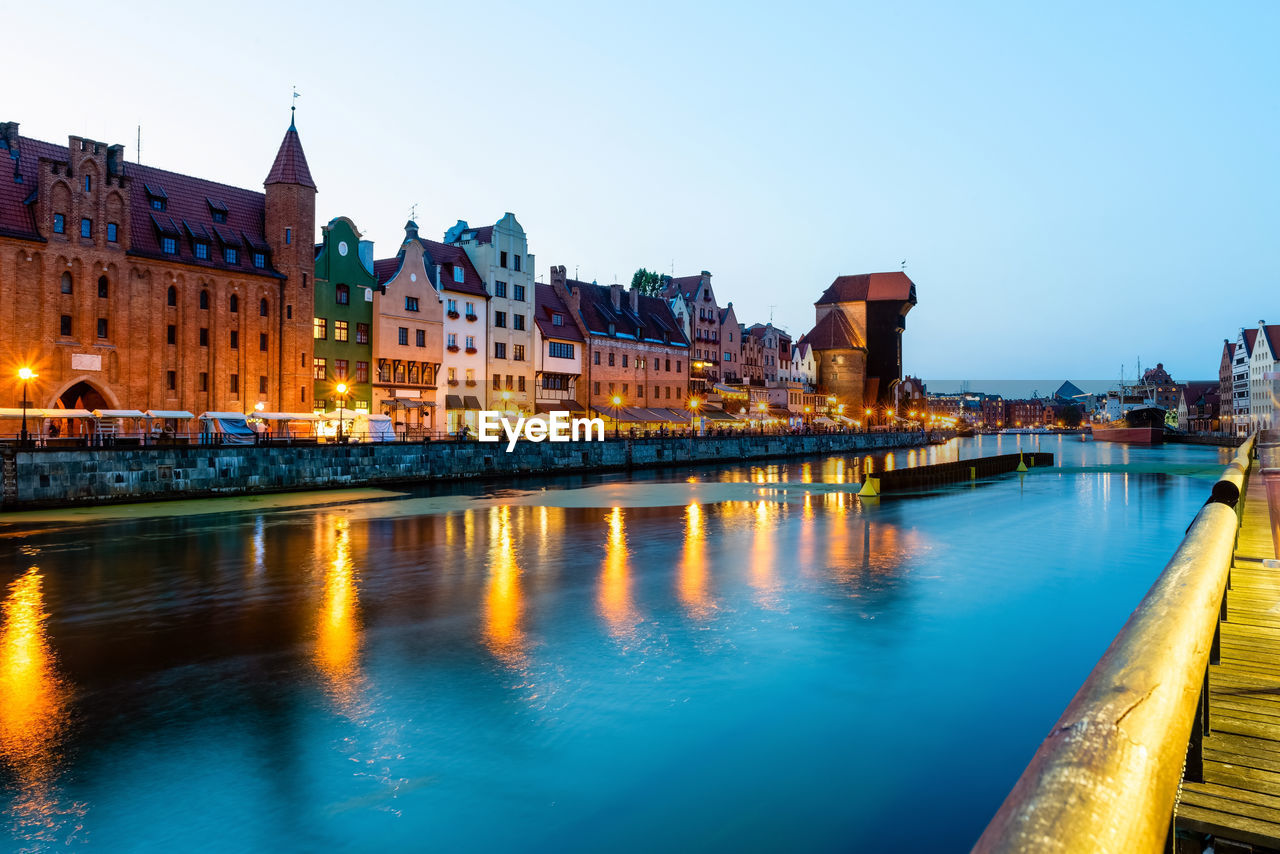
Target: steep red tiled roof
{"x": 188, "y": 215}
{"x": 686, "y": 286}
{"x": 548, "y": 302}
{"x": 833, "y": 332}
{"x": 483, "y": 234}
{"x": 653, "y": 320}
{"x": 385, "y": 270}
{"x": 1273, "y": 339}
{"x": 291, "y": 164}
{"x": 869, "y": 286}
{"x": 449, "y": 256}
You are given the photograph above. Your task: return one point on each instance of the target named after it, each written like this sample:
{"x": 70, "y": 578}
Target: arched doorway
{"x": 82, "y": 395}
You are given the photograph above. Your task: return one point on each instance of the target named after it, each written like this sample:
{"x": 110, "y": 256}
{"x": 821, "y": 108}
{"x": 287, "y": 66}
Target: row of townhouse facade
{"x": 125, "y": 286}
{"x": 1248, "y": 380}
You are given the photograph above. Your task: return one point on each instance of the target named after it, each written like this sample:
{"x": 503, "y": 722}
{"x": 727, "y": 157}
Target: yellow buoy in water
{"x": 1022, "y": 466}
{"x": 870, "y": 487}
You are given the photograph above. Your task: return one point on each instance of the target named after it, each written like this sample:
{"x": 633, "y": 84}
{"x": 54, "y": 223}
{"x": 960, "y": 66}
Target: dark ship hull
{"x": 1139, "y": 427}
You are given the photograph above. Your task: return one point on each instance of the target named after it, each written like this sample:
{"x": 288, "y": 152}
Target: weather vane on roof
{"x": 413, "y": 211}
{"x": 293, "y": 108}
{"x": 904, "y": 265}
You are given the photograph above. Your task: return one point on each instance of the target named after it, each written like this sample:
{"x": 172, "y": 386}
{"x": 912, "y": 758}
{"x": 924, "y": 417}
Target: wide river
{"x": 740, "y": 658}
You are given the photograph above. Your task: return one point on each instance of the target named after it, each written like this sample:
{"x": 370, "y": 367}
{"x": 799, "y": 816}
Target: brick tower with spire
{"x": 290, "y": 232}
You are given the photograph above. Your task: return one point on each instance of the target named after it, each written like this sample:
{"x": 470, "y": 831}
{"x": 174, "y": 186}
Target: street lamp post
{"x": 617, "y": 406}
{"x": 341, "y": 389}
{"x": 26, "y": 375}
{"x": 694, "y": 403}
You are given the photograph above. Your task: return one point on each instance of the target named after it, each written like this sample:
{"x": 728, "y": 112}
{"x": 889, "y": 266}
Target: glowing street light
{"x": 26, "y": 375}
{"x": 341, "y": 389}
{"x": 617, "y": 405}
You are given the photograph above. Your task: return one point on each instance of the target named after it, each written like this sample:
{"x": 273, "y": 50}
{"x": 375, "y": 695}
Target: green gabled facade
{"x": 343, "y": 325}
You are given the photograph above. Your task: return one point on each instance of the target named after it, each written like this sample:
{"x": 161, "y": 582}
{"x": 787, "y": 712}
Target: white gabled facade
{"x": 1262, "y": 379}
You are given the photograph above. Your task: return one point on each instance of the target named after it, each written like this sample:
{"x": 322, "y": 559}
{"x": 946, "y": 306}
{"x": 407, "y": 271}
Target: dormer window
{"x": 217, "y": 209}
{"x": 202, "y": 251}
{"x": 457, "y": 273}
{"x": 169, "y": 245}
{"x": 259, "y": 260}
{"x": 156, "y": 197}
{"x": 557, "y": 319}
{"x": 219, "y": 216}
{"x": 231, "y": 256}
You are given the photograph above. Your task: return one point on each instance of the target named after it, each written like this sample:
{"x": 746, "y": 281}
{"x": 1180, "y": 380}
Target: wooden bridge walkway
{"x": 1239, "y": 798}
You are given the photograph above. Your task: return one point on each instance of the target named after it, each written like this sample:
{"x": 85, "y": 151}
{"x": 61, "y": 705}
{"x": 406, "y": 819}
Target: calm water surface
{"x": 743, "y": 658}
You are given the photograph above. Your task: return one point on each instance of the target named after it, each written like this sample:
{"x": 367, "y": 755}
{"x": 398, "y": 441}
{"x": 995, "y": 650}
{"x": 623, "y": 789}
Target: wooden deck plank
{"x": 1240, "y": 797}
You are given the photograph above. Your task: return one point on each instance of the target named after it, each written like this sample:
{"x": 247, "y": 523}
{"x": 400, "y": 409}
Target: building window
{"x": 499, "y": 289}
{"x": 340, "y": 330}
{"x": 559, "y": 350}
{"x": 318, "y": 368}
{"x": 158, "y": 204}
{"x": 171, "y": 380}
{"x": 262, "y": 341}
{"x": 264, "y": 308}
{"x": 113, "y": 232}
{"x": 202, "y": 251}
{"x": 204, "y": 337}
{"x": 453, "y": 340}
{"x": 259, "y": 260}
{"x": 234, "y": 304}
{"x": 102, "y": 327}
{"x": 171, "y": 333}
{"x": 59, "y": 224}
{"x": 362, "y": 372}
{"x": 520, "y": 379}
{"x": 342, "y": 295}
{"x": 204, "y": 381}
{"x": 471, "y": 342}
{"x": 235, "y": 340}
{"x": 451, "y": 306}
{"x": 624, "y": 360}
{"x": 516, "y": 264}
{"x": 500, "y": 319}
{"x": 595, "y": 357}
{"x": 420, "y": 337}
{"x": 171, "y": 296}
{"x": 517, "y": 322}
{"x": 65, "y": 326}
{"x": 502, "y": 259}
{"x": 403, "y": 336}
{"x": 320, "y": 329}
{"x": 457, "y": 273}
{"x": 262, "y": 385}
{"x": 169, "y": 246}
{"x": 517, "y": 352}
{"x": 86, "y": 228}
{"x": 497, "y": 381}
{"x": 410, "y": 303}
{"x": 499, "y": 350}
{"x": 340, "y": 369}
{"x": 611, "y": 359}
{"x": 518, "y": 293}
{"x": 231, "y": 256}
{"x": 557, "y": 319}
{"x": 471, "y": 311}
{"x": 362, "y": 333}
{"x": 384, "y": 371}
{"x": 104, "y": 287}
{"x": 204, "y": 299}
{"x": 678, "y": 363}
{"x": 597, "y": 388}
{"x": 235, "y": 384}
{"x": 509, "y": 383}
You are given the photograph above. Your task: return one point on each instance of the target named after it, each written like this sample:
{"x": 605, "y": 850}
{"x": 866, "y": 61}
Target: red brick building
{"x": 129, "y": 286}
{"x": 636, "y": 348}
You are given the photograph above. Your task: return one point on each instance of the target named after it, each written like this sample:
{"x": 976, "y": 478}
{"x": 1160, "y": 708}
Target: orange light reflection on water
{"x": 615, "y": 581}
{"x": 693, "y": 565}
{"x": 338, "y": 623}
{"x": 34, "y": 710}
{"x": 503, "y": 605}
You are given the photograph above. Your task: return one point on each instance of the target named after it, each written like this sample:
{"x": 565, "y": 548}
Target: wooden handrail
{"x": 1105, "y": 778}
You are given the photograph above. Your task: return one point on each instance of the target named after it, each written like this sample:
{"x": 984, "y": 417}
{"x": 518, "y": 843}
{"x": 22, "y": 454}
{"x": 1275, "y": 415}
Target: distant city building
{"x": 693, "y": 302}
{"x": 1198, "y": 407}
{"x": 343, "y": 318}
{"x": 465, "y": 334}
{"x": 560, "y": 354}
{"x": 1226, "y": 409}
{"x": 1240, "y": 383}
{"x": 730, "y": 341}
{"x": 1262, "y": 376}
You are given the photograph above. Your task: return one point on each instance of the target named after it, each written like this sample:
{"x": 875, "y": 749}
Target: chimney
{"x": 635, "y": 300}
{"x": 115, "y": 159}
{"x": 615, "y": 294}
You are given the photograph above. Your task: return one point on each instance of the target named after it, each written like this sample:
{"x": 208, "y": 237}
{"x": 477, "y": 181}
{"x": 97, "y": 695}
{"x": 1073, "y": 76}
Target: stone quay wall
{"x": 53, "y": 477}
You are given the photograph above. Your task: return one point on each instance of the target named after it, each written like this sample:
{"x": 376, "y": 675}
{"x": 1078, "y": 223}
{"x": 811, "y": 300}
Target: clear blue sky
{"x": 1072, "y": 187}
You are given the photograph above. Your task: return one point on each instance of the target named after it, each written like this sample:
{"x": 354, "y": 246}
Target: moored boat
{"x": 1138, "y": 427}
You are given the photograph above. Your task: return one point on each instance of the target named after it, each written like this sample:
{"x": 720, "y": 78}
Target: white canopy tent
{"x": 360, "y": 426}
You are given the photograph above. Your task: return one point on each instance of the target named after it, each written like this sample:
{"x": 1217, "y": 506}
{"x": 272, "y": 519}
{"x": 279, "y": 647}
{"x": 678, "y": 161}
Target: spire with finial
{"x": 290, "y": 166}
{"x": 293, "y": 108}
